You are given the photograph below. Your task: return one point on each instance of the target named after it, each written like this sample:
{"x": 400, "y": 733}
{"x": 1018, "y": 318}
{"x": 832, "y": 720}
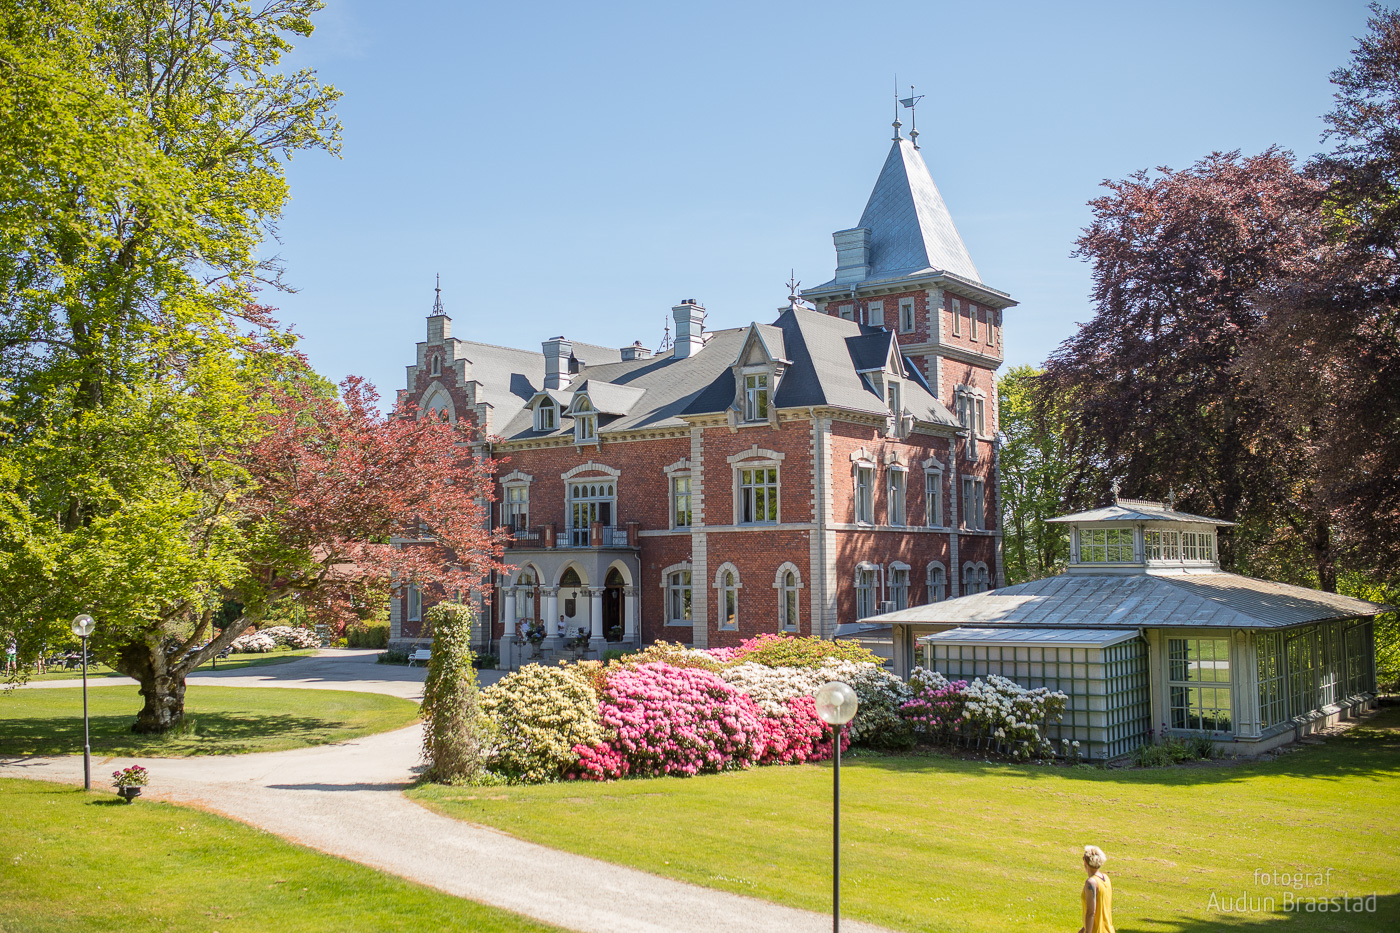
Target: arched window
{"x": 969, "y": 579}
{"x": 899, "y": 586}
{"x": 867, "y": 588}
{"x": 437, "y": 365}
{"x": 727, "y": 591}
{"x": 788, "y": 607}
{"x": 525, "y": 595}
{"x": 984, "y": 582}
{"x": 937, "y": 583}
{"x": 544, "y": 416}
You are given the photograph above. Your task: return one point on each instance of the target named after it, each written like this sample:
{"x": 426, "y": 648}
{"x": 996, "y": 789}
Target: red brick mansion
{"x": 794, "y": 474}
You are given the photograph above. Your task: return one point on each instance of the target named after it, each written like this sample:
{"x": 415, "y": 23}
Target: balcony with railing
{"x": 550, "y": 537}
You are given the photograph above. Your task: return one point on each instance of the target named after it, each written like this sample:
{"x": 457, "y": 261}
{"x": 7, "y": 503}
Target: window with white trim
{"x": 937, "y": 583}
{"x": 788, "y": 601}
{"x": 678, "y": 597}
{"x": 680, "y": 502}
{"x": 875, "y": 315}
{"x": 933, "y": 499}
{"x": 415, "y": 603}
{"x": 892, "y": 399}
{"x": 973, "y": 505}
{"x": 906, "y": 315}
{"x": 758, "y": 495}
{"x": 957, "y": 318}
{"x": 865, "y": 494}
{"x": 991, "y": 326}
{"x": 867, "y": 589}
{"x": 545, "y": 415}
{"x": 899, "y": 587}
{"x": 897, "y": 496}
{"x": 1105, "y": 545}
{"x": 756, "y": 397}
{"x": 728, "y": 602}
{"x": 1162, "y": 545}
{"x": 1198, "y": 681}
{"x": 517, "y": 507}
{"x": 590, "y": 503}
{"x": 585, "y": 421}
{"x": 1197, "y": 545}
{"x": 981, "y": 422}
{"x": 972, "y": 320}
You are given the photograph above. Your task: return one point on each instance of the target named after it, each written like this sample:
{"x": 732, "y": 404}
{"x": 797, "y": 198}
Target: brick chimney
{"x": 557, "y": 351}
{"x": 690, "y": 328}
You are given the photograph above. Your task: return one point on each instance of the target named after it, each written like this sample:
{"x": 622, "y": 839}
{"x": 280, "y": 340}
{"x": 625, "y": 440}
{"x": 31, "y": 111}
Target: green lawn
{"x": 74, "y": 861}
{"x": 230, "y": 663}
{"x": 937, "y": 843}
{"x": 219, "y": 720}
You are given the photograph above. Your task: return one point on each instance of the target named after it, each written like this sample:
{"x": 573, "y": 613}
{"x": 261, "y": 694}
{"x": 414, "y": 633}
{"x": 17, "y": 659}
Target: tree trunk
{"x": 162, "y": 688}
{"x": 1322, "y": 557}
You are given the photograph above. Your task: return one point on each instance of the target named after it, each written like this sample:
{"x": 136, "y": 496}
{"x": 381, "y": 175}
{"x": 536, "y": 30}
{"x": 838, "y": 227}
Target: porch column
{"x": 595, "y": 611}
{"x": 629, "y": 612}
{"x": 549, "y": 615}
{"x": 508, "y": 608}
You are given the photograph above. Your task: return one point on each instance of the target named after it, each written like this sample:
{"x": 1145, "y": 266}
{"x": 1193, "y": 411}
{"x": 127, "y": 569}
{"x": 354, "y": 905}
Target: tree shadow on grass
{"x": 1370, "y": 749}
{"x": 202, "y": 733}
{"x": 1375, "y": 913}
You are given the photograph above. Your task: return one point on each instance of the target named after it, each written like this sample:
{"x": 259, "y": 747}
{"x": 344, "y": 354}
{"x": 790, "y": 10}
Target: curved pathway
{"x": 346, "y": 800}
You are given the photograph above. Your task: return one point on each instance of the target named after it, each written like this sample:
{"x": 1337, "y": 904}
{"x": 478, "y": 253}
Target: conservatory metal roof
{"x": 1137, "y": 510}
{"x": 1080, "y": 637}
{"x": 1152, "y": 599}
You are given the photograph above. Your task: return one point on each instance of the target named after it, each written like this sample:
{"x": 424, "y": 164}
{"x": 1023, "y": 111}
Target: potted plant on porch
{"x": 579, "y": 643}
{"x": 535, "y": 635}
{"x": 129, "y": 781}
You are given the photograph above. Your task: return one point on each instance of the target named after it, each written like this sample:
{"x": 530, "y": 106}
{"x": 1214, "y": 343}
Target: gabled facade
{"x": 794, "y": 474}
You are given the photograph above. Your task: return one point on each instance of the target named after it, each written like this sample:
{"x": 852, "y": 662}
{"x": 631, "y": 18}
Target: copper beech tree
{"x": 333, "y": 488}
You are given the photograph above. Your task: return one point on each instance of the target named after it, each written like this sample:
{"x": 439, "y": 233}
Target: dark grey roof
{"x": 911, "y": 231}
{"x": 1154, "y": 599}
{"x": 1137, "y": 510}
{"x": 1084, "y": 637}
{"x": 656, "y": 392}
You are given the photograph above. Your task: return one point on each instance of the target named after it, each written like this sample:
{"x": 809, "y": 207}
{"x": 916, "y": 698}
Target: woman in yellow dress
{"x": 1097, "y": 896}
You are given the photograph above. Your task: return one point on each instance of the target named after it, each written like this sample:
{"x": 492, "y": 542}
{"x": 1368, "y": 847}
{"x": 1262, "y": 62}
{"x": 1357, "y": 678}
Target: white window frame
{"x": 897, "y": 588}
{"x": 546, "y": 409}
{"x": 991, "y": 327}
{"x": 980, "y": 418}
{"x": 676, "y": 583}
{"x": 957, "y": 318}
{"x": 749, "y": 490}
{"x": 972, "y": 322}
{"x": 894, "y": 399}
{"x": 867, "y": 586}
{"x": 864, "y": 493}
{"x": 933, "y": 498}
{"x": 757, "y": 396}
{"x": 906, "y": 315}
{"x": 1116, "y": 542}
{"x": 674, "y": 482}
{"x": 898, "y": 508}
{"x": 727, "y": 587}
{"x": 413, "y": 609}
{"x": 1181, "y": 666}
{"x": 789, "y": 597}
{"x": 513, "y": 507}
{"x": 936, "y": 581}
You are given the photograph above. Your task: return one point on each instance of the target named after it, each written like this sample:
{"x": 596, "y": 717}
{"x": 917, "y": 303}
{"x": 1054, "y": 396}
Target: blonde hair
{"x": 1094, "y": 857}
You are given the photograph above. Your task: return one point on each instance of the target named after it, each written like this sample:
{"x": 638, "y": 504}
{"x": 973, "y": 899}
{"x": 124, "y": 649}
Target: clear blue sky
{"x": 577, "y": 169}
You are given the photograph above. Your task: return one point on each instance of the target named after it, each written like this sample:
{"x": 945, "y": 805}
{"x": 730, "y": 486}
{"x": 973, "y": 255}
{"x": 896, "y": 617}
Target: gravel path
{"x": 346, "y": 800}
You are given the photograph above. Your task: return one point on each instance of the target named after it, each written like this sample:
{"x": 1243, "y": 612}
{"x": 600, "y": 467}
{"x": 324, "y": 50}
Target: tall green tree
{"x": 1036, "y": 466}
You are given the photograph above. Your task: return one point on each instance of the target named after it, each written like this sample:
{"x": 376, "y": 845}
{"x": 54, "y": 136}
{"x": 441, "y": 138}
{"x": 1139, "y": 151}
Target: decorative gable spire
{"x": 437, "y": 296}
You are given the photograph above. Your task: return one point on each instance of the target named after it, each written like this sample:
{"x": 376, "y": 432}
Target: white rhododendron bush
{"x": 287, "y": 636}
{"x": 253, "y": 643}
{"x": 997, "y": 713}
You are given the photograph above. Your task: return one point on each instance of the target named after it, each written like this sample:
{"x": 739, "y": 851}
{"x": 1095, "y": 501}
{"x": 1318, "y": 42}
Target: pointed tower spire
{"x": 437, "y": 299}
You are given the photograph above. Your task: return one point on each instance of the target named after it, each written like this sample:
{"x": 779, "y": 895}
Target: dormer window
{"x": 892, "y": 398}
{"x": 756, "y": 397}
{"x": 545, "y": 416}
{"x": 585, "y": 421}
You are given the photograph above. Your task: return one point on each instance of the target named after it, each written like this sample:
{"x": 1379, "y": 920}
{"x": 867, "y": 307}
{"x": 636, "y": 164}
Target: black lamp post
{"x": 836, "y": 705}
{"x": 82, "y": 627}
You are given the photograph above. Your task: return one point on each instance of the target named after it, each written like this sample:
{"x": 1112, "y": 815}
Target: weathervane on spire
{"x": 665, "y": 339}
{"x": 1115, "y": 490}
{"x": 793, "y": 285}
{"x": 437, "y": 296}
{"x": 911, "y": 102}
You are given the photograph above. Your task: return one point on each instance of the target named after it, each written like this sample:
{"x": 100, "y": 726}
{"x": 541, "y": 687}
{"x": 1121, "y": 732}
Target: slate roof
{"x": 821, "y": 370}
{"x": 1137, "y": 510}
{"x": 911, "y": 231}
{"x": 1155, "y": 599}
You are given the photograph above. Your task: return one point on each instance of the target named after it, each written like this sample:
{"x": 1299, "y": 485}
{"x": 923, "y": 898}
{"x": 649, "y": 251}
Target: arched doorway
{"x": 612, "y": 605}
{"x": 569, "y": 604}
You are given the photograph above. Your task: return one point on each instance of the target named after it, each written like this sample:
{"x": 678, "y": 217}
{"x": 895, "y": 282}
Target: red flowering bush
{"x": 798, "y": 735}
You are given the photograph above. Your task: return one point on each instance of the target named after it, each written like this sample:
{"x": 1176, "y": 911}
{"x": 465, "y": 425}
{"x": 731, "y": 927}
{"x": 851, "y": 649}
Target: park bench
{"x": 419, "y": 654}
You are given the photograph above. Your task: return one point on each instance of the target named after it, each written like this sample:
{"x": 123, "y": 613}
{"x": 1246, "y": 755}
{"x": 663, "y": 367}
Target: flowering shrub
{"x": 997, "y": 711}
{"x": 135, "y": 776}
{"x": 676, "y": 655}
{"x": 541, "y": 715}
{"x": 253, "y": 643}
{"x": 775, "y": 650}
{"x": 287, "y": 636}
{"x": 668, "y": 720}
{"x": 881, "y": 694}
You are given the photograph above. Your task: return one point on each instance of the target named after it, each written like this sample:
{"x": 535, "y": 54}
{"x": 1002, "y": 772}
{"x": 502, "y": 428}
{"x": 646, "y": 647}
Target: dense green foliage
{"x": 1004, "y": 840}
{"x": 1035, "y": 469}
{"x": 456, "y": 733}
{"x": 71, "y": 864}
